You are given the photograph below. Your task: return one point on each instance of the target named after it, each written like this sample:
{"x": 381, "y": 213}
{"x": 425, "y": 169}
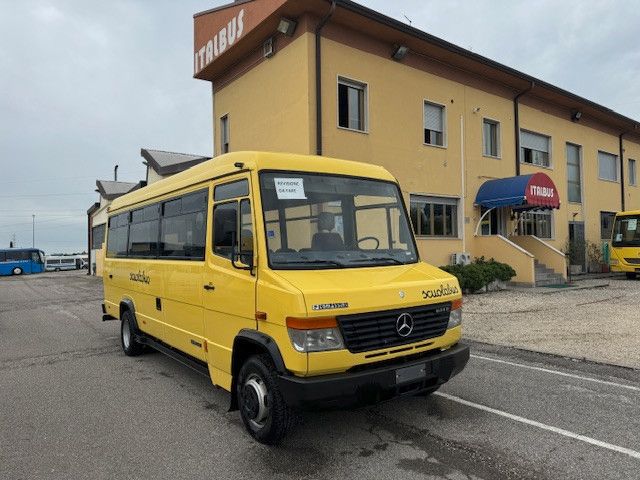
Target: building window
{"x": 534, "y": 149}
{"x": 352, "y": 104}
{"x": 632, "y": 172}
{"x": 434, "y": 216}
{"x": 224, "y": 134}
{"x": 539, "y": 224}
{"x": 491, "y": 138}
{"x": 573, "y": 173}
{"x": 606, "y": 224}
{"x": 607, "y": 166}
{"x": 434, "y": 122}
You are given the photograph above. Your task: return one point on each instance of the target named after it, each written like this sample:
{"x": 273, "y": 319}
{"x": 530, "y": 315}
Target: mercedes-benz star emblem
{"x": 404, "y": 324}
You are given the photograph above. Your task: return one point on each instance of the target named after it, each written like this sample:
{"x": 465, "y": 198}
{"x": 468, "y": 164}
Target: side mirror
{"x": 241, "y": 258}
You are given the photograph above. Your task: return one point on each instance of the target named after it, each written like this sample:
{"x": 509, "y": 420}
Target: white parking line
{"x": 561, "y": 431}
{"x": 557, "y": 372}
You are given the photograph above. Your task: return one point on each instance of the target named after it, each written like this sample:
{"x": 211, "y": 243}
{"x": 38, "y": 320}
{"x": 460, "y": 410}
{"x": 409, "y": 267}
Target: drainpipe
{"x": 621, "y": 169}
{"x": 319, "y": 28}
{"x": 516, "y": 121}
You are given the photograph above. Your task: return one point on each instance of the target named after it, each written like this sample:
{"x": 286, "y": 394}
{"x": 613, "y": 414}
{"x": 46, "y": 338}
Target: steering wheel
{"x": 360, "y": 240}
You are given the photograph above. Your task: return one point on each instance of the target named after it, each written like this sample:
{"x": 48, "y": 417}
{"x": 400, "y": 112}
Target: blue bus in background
{"x": 16, "y": 261}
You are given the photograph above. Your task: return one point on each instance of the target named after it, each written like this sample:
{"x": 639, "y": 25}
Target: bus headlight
{"x": 455, "y": 317}
{"x": 314, "y": 334}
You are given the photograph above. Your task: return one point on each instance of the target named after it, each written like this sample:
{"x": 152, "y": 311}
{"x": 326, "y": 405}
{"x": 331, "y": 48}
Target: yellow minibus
{"x": 293, "y": 281}
{"x": 625, "y": 244}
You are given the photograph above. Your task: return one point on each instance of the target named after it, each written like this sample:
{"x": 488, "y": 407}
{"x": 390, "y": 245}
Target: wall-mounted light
{"x": 268, "y": 49}
{"x": 576, "y": 115}
{"x": 287, "y": 26}
{"x": 399, "y": 52}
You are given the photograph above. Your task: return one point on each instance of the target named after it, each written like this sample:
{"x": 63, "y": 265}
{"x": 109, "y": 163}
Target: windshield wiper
{"x": 379, "y": 259}
{"x": 308, "y": 262}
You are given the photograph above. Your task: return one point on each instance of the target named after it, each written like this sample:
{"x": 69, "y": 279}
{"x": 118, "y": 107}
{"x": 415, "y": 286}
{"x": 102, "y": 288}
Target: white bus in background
{"x": 56, "y": 263}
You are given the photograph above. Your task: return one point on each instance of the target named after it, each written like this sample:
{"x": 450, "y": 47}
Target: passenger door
{"x": 183, "y": 231}
{"x": 229, "y": 286}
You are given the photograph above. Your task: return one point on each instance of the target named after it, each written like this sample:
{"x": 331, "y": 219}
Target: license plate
{"x": 410, "y": 374}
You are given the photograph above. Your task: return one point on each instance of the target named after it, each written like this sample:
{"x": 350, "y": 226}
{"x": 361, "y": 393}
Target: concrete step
{"x": 546, "y": 276}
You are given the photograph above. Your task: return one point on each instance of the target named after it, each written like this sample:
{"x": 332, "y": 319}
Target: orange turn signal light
{"x": 311, "y": 323}
{"x": 456, "y": 304}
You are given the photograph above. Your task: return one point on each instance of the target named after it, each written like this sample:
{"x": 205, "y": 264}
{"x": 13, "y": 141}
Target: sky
{"x": 85, "y": 84}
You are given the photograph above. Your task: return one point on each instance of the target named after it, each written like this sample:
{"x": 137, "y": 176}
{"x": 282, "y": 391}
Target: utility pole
{"x": 33, "y": 231}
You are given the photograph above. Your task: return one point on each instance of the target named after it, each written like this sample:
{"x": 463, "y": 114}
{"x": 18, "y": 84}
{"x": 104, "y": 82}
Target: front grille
{"x": 363, "y": 332}
{"x": 632, "y": 261}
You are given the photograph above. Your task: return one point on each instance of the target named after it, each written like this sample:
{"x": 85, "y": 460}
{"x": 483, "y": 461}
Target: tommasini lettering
{"x": 139, "y": 277}
{"x": 440, "y": 292}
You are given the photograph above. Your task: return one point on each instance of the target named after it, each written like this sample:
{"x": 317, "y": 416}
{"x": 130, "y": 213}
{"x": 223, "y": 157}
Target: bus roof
{"x": 225, "y": 165}
{"x": 628, "y": 212}
{"x": 28, "y": 249}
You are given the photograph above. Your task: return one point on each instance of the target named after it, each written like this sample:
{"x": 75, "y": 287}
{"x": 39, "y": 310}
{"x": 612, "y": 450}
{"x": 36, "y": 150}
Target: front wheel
{"x": 264, "y": 412}
{"x": 17, "y": 271}
{"x": 130, "y": 346}
{"x": 631, "y": 275}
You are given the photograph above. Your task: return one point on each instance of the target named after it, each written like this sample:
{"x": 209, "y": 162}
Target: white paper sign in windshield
{"x": 290, "y": 188}
{"x": 632, "y": 225}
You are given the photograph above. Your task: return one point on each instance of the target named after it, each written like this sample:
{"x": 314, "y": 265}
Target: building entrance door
{"x": 577, "y": 245}
{"x": 495, "y": 223}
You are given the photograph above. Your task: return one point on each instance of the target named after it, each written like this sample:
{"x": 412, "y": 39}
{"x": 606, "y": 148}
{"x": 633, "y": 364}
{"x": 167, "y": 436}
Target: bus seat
{"x": 325, "y": 239}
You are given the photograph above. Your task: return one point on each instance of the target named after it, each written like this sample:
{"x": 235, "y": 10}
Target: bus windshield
{"x": 316, "y": 221}
{"x": 626, "y": 231}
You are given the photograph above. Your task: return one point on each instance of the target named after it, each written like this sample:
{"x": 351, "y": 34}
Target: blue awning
{"x": 525, "y": 191}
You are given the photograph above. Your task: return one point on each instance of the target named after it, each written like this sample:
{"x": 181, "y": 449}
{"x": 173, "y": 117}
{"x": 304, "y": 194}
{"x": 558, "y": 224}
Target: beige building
{"x": 338, "y": 79}
{"x": 161, "y": 164}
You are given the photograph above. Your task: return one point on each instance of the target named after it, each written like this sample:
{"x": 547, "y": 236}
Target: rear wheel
{"x": 264, "y": 412}
{"x": 17, "y": 271}
{"x": 631, "y": 275}
{"x": 130, "y": 345}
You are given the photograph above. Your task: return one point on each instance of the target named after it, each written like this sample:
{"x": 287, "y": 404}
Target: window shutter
{"x": 534, "y": 141}
{"x": 433, "y": 117}
{"x": 608, "y": 164}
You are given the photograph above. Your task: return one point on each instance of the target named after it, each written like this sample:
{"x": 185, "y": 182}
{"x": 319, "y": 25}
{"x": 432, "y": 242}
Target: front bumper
{"x": 372, "y": 385}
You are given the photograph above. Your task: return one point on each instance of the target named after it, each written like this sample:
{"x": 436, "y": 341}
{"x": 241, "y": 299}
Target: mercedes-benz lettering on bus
{"x": 16, "y": 261}
{"x": 292, "y": 281}
{"x": 625, "y": 244}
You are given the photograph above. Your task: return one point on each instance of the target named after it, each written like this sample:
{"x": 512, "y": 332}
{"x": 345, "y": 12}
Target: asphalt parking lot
{"x": 72, "y": 405}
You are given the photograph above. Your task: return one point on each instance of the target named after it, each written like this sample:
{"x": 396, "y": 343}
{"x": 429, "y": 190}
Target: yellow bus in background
{"x": 625, "y": 244}
{"x": 292, "y": 281}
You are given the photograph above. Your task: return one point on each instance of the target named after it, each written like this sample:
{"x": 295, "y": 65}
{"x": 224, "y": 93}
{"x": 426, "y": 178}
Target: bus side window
{"x": 225, "y": 228}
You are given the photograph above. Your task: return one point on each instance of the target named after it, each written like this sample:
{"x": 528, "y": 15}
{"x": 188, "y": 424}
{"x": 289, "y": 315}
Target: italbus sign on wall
{"x": 226, "y": 37}
{"x": 219, "y": 30}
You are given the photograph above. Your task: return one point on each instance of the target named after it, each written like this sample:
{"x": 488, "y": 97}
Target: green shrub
{"x": 480, "y": 273}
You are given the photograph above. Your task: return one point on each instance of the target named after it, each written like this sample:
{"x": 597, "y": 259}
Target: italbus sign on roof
{"x": 222, "y": 39}
{"x": 217, "y": 31}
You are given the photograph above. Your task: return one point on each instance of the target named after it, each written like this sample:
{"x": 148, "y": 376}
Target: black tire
{"x": 631, "y": 275}
{"x": 16, "y": 271}
{"x": 130, "y": 346}
{"x": 57, "y": 270}
{"x": 269, "y": 419}
{"x": 427, "y": 392}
